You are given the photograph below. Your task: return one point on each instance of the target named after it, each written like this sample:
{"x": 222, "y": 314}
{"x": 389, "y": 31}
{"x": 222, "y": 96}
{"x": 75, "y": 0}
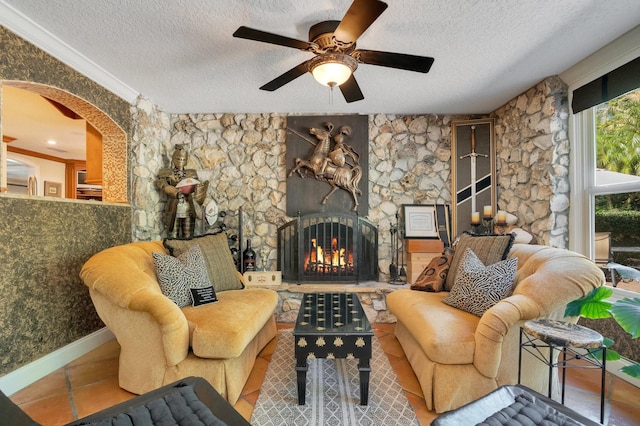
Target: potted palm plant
{"x": 626, "y": 312}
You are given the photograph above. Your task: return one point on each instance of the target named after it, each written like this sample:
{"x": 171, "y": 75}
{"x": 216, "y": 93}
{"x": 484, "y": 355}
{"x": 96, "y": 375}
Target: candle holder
{"x": 476, "y": 228}
{"x": 501, "y": 227}
{"x": 487, "y": 223}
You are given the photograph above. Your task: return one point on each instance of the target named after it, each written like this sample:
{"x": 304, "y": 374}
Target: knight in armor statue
{"x": 184, "y": 191}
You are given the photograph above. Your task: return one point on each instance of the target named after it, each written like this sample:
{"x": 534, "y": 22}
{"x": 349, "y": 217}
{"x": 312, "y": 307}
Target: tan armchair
{"x": 160, "y": 342}
{"x": 459, "y": 357}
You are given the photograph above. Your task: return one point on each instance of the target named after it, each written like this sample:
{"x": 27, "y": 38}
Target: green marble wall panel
{"x": 43, "y": 244}
{"x": 22, "y": 61}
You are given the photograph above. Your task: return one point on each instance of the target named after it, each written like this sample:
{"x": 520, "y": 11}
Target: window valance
{"x": 611, "y": 85}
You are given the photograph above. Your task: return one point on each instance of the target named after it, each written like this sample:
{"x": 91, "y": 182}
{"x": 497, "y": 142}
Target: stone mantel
{"x": 372, "y": 295}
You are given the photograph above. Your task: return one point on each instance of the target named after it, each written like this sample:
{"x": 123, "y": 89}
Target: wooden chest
{"x": 419, "y": 253}
{"x": 416, "y": 262}
{"x": 424, "y": 246}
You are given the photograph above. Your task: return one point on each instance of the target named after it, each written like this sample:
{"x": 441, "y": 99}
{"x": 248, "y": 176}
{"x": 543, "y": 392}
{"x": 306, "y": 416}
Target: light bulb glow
{"x": 331, "y": 73}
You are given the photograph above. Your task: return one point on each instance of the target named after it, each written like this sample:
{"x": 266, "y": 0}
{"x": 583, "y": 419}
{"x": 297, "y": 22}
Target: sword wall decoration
{"x": 473, "y": 155}
{"x": 473, "y": 167}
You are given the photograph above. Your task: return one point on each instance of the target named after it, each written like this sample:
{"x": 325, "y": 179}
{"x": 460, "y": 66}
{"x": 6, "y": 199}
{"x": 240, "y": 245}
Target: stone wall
{"x": 409, "y": 163}
{"x": 150, "y": 137}
{"x": 243, "y": 157}
{"x": 533, "y": 161}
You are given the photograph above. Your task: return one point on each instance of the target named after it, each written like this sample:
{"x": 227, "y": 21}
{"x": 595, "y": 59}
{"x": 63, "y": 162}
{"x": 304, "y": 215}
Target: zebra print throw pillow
{"x": 177, "y": 275}
{"x": 478, "y": 287}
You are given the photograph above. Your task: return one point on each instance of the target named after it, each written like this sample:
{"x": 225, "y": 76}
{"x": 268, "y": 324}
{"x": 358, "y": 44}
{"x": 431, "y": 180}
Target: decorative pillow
{"x": 434, "y": 275}
{"x": 217, "y": 257}
{"x": 489, "y": 249}
{"x": 479, "y": 287}
{"x": 176, "y": 275}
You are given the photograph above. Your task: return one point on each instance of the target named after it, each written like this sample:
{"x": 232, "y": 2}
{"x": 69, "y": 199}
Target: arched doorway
{"x": 114, "y": 138}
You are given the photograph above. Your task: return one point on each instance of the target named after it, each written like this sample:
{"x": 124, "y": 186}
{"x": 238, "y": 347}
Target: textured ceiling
{"x": 182, "y": 56}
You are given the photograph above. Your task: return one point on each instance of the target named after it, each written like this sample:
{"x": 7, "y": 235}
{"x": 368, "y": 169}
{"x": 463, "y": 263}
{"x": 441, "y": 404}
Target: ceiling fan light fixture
{"x": 332, "y": 69}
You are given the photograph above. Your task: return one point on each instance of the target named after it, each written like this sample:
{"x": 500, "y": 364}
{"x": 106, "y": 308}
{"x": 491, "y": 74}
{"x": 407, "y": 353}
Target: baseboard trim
{"x": 34, "y": 371}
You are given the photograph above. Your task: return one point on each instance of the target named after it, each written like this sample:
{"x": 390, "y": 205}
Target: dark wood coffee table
{"x": 332, "y": 325}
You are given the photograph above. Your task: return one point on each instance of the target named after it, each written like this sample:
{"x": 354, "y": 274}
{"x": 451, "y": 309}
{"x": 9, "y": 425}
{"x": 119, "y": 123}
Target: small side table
{"x": 567, "y": 338}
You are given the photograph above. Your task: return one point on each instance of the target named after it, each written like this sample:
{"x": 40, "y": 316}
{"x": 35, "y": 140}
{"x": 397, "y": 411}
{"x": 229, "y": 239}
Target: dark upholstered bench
{"x": 508, "y": 403}
{"x": 193, "y": 398}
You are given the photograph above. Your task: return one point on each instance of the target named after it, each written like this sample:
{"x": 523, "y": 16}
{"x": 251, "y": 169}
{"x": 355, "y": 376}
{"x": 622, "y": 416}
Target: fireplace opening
{"x": 328, "y": 248}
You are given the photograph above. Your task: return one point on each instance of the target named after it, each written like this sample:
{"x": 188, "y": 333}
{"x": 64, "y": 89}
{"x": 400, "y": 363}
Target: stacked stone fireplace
{"x": 328, "y": 248}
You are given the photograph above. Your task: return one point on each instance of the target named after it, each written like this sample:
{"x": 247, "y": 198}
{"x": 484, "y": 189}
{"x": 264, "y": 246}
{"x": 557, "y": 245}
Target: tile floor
{"x": 90, "y": 384}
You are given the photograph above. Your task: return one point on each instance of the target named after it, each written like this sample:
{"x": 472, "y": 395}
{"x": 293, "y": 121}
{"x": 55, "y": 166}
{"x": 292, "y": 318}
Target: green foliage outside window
{"x": 618, "y": 146}
{"x": 618, "y": 134}
{"x": 618, "y": 150}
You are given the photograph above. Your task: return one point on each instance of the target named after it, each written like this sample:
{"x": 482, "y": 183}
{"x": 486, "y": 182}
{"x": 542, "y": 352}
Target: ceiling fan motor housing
{"x": 322, "y": 35}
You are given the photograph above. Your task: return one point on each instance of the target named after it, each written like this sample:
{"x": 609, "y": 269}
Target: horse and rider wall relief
{"x": 327, "y": 164}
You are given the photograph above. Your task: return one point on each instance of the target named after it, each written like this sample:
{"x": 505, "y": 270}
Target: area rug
{"x": 333, "y": 392}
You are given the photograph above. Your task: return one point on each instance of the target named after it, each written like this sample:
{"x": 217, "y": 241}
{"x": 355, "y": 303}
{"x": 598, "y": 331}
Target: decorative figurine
{"x": 264, "y": 257}
{"x": 183, "y": 190}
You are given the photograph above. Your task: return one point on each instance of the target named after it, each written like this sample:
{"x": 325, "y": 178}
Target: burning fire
{"x": 327, "y": 261}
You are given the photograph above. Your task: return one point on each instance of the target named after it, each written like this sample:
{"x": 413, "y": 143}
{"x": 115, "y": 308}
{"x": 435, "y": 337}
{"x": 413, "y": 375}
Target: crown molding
{"x": 617, "y": 53}
{"x": 24, "y": 27}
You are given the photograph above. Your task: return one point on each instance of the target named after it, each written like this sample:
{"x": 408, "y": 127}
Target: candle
{"x": 487, "y": 212}
{"x": 502, "y": 217}
{"x": 475, "y": 218}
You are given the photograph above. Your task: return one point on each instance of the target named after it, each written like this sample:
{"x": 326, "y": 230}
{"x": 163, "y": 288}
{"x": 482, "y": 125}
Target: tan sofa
{"x": 459, "y": 357}
{"x": 160, "y": 342}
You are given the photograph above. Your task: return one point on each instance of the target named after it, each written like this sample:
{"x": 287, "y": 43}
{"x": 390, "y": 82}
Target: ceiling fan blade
{"x": 265, "y": 37}
{"x": 287, "y": 77}
{"x": 361, "y": 14}
{"x": 351, "y": 91}
{"x": 395, "y": 60}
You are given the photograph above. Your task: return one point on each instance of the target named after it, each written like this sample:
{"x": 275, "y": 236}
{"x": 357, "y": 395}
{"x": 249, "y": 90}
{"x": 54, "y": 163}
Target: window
{"x": 601, "y": 79}
{"x": 616, "y": 190}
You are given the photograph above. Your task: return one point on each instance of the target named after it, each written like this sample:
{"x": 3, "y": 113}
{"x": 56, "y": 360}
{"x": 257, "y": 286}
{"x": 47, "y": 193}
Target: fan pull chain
{"x": 331, "y": 86}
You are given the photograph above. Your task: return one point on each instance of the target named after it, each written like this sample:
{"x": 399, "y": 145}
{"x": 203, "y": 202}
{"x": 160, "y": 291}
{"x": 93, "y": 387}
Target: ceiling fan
{"x": 334, "y": 44}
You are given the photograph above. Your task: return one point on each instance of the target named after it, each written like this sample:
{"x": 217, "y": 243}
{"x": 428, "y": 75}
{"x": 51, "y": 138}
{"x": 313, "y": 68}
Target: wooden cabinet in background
{"x": 94, "y": 156}
{"x": 72, "y": 167}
